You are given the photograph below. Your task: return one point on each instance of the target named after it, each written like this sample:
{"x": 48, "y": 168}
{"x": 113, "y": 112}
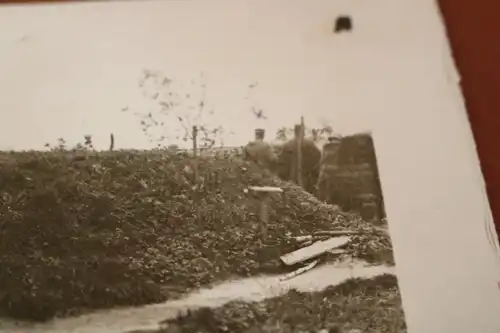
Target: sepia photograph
{"x": 189, "y": 166}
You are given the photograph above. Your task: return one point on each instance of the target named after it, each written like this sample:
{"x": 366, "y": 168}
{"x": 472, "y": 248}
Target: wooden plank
{"x": 299, "y": 271}
{"x": 313, "y": 250}
{"x": 335, "y": 233}
{"x": 301, "y": 239}
{"x": 311, "y": 238}
{"x": 266, "y": 189}
{"x": 324, "y": 234}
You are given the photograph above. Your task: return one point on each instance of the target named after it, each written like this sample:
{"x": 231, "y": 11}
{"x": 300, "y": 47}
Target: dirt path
{"x": 251, "y": 289}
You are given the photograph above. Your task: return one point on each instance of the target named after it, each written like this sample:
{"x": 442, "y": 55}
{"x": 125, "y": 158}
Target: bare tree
{"x": 176, "y": 104}
{"x": 257, "y": 111}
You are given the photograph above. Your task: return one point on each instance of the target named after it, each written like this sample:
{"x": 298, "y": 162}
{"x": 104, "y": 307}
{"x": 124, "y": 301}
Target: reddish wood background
{"x": 474, "y": 30}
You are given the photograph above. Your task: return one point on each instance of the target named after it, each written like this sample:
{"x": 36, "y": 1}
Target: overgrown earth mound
{"x": 357, "y": 305}
{"x": 96, "y": 230}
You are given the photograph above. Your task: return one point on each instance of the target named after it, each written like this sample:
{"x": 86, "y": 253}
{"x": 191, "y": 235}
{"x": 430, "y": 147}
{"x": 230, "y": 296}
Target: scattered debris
{"x": 313, "y": 250}
{"x": 324, "y": 235}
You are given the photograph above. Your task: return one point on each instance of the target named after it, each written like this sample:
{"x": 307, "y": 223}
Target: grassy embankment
{"x": 128, "y": 228}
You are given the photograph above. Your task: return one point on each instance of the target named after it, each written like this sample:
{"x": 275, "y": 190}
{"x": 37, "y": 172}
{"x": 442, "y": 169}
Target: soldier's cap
{"x": 259, "y": 131}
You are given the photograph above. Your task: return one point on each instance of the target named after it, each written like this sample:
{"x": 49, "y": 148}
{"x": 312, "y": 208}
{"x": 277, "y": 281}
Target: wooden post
{"x": 112, "y": 142}
{"x": 263, "y": 194}
{"x": 264, "y": 216}
{"x": 300, "y": 139}
{"x": 195, "y": 139}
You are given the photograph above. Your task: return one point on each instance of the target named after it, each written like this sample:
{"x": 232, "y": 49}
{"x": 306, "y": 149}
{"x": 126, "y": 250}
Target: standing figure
{"x": 260, "y": 152}
{"x": 311, "y": 158}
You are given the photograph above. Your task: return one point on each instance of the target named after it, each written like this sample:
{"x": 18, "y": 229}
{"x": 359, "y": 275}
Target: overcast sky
{"x": 69, "y": 69}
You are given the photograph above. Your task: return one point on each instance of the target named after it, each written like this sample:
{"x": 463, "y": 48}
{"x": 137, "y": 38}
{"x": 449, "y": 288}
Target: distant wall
{"x": 350, "y": 179}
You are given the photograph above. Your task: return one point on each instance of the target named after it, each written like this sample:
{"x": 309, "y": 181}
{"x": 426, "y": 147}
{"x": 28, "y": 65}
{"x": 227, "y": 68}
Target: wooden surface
{"x": 474, "y": 28}
{"x": 314, "y": 250}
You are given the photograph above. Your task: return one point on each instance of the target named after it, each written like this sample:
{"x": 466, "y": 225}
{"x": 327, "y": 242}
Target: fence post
{"x": 194, "y": 134}
{"x": 300, "y": 139}
{"x": 264, "y": 216}
{"x": 263, "y": 194}
{"x": 112, "y": 142}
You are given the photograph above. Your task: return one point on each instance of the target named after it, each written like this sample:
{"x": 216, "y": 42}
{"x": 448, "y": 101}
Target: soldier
{"x": 260, "y": 152}
{"x": 311, "y": 158}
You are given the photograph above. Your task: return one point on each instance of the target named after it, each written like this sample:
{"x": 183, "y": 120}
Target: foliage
{"x": 84, "y": 230}
{"x": 357, "y": 305}
{"x": 62, "y": 146}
